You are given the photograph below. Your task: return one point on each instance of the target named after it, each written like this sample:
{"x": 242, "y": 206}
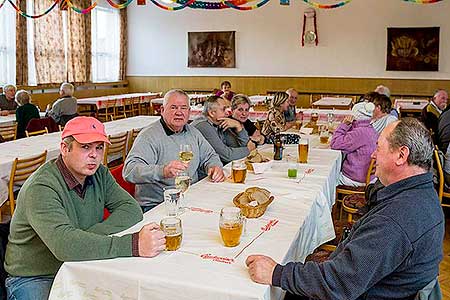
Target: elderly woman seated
{"x": 357, "y": 139}
{"x": 276, "y": 122}
{"x": 25, "y": 112}
{"x": 240, "y": 105}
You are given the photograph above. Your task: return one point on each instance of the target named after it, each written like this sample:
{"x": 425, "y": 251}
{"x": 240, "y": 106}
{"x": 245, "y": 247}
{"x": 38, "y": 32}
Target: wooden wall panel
{"x": 305, "y": 85}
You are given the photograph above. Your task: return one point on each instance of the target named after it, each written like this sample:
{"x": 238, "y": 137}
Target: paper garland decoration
{"x": 195, "y": 4}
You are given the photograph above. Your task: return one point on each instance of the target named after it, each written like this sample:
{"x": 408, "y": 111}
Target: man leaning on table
{"x": 59, "y": 215}
{"x": 153, "y": 161}
{"x": 394, "y": 250}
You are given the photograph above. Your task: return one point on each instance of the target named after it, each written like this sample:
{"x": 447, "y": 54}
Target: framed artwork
{"x": 412, "y": 49}
{"x": 213, "y": 49}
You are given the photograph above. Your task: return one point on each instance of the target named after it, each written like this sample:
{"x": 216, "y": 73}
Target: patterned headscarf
{"x": 363, "y": 110}
{"x": 279, "y": 99}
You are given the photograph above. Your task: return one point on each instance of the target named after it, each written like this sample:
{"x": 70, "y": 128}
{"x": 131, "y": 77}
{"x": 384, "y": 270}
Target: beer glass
{"x": 324, "y": 135}
{"x": 238, "y": 171}
{"x": 303, "y": 147}
{"x": 172, "y": 196}
{"x": 186, "y": 154}
{"x": 314, "y": 116}
{"x": 174, "y": 232}
{"x": 231, "y": 224}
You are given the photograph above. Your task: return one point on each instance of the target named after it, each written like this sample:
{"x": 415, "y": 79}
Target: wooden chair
{"x": 61, "y": 128}
{"x": 442, "y": 192}
{"x": 118, "y": 146}
{"x": 344, "y": 190}
{"x": 145, "y": 107}
{"x": 38, "y": 132}
{"x": 104, "y": 114}
{"x": 20, "y": 171}
{"x": 9, "y": 132}
{"x": 126, "y": 110}
{"x": 136, "y": 105}
{"x": 133, "y": 134}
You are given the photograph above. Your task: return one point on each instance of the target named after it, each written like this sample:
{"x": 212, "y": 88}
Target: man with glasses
{"x": 153, "y": 161}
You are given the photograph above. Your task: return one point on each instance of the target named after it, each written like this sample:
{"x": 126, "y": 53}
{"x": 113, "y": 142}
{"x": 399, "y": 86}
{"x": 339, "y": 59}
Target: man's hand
{"x": 216, "y": 174}
{"x": 151, "y": 240}
{"x": 260, "y": 268}
{"x": 226, "y": 123}
{"x": 173, "y": 168}
{"x": 347, "y": 120}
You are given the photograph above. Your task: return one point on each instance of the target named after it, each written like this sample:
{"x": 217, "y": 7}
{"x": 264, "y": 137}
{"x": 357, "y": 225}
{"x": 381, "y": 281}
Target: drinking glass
{"x": 182, "y": 182}
{"x": 172, "y": 196}
{"x": 324, "y": 135}
{"x": 238, "y": 171}
{"x": 303, "y": 148}
{"x": 174, "y": 232}
{"x": 186, "y": 154}
{"x": 231, "y": 224}
{"x": 292, "y": 170}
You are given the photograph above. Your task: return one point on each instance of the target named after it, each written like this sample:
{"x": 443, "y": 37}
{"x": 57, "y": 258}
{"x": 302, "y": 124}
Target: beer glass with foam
{"x": 174, "y": 232}
{"x": 238, "y": 171}
{"x": 231, "y": 225}
{"x": 303, "y": 148}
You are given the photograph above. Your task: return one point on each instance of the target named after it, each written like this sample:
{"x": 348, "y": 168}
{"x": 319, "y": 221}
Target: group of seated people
{"x": 20, "y": 103}
{"x": 59, "y": 214}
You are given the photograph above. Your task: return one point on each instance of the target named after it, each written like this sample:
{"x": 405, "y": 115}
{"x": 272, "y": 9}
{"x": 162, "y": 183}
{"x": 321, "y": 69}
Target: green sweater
{"x": 52, "y": 224}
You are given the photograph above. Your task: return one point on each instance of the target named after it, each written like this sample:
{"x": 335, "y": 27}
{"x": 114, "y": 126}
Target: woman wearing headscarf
{"x": 275, "y": 122}
{"x": 357, "y": 140}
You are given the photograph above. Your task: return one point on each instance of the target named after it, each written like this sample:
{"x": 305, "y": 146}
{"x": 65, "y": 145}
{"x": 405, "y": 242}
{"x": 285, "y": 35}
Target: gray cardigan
{"x": 229, "y": 144}
{"x": 153, "y": 148}
{"x": 391, "y": 253}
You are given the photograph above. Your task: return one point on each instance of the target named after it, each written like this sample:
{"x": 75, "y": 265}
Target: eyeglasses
{"x": 182, "y": 108}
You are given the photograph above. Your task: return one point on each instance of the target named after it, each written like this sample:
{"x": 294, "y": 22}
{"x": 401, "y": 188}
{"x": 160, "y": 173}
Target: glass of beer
{"x": 324, "y": 135}
{"x": 303, "y": 148}
{"x": 314, "y": 116}
{"x": 174, "y": 232}
{"x": 186, "y": 154}
{"x": 172, "y": 196}
{"x": 238, "y": 171}
{"x": 231, "y": 224}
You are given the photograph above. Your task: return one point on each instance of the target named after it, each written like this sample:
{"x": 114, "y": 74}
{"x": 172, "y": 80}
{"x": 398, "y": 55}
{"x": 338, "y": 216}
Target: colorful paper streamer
{"x": 423, "y": 1}
{"x": 326, "y": 6}
{"x": 79, "y": 10}
{"x": 232, "y": 5}
{"x": 24, "y": 14}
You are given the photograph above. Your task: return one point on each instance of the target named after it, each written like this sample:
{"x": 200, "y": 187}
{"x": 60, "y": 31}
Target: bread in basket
{"x": 253, "y": 202}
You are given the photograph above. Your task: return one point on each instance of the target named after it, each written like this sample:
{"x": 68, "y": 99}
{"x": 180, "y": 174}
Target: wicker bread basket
{"x": 260, "y": 195}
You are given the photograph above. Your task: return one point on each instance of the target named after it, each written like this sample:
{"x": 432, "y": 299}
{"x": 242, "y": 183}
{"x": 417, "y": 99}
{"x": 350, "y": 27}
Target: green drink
{"x": 292, "y": 173}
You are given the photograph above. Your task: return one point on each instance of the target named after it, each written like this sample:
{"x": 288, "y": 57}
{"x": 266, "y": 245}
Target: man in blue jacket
{"x": 394, "y": 250}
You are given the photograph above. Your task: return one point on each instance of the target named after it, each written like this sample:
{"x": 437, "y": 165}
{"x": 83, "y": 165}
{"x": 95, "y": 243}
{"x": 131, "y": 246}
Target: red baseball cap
{"x": 85, "y": 130}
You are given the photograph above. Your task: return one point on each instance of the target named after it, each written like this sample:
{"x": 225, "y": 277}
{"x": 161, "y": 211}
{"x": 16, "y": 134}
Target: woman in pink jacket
{"x": 357, "y": 140}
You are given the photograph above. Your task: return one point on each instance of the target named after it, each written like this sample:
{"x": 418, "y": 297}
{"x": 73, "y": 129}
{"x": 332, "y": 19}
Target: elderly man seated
{"x": 7, "y": 98}
{"x": 394, "y": 251}
{"x": 153, "y": 162}
{"x": 59, "y": 215}
{"x": 227, "y": 136}
{"x": 432, "y": 112}
{"x": 65, "y": 108}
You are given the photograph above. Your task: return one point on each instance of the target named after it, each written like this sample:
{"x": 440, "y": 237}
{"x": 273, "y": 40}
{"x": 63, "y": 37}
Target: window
{"x": 7, "y": 46}
{"x": 105, "y": 44}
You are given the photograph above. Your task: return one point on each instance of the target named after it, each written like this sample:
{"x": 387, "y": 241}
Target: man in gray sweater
{"x": 394, "y": 250}
{"x": 153, "y": 161}
{"x": 65, "y": 108}
{"x": 226, "y": 135}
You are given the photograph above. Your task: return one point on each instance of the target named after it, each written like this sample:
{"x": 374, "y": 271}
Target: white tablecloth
{"x": 194, "y": 272}
{"x": 159, "y": 100}
{"x": 256, "y": 99}
{"x": 35, "y": 145}
{"x": 410, "y": 104}
{"x": 333, "y": 101}
{"x": 11, "y": 118}
{"x": 100, "y": 102}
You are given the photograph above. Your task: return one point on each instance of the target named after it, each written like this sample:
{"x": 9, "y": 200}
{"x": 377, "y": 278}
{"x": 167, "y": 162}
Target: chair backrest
{"x": 37, "y": 132}
{"x": 127, "y": 186}
{"x": 39, "y": 124}
{"x": 9, "y": 132}
{"x": 133, "y": 134}
{"x": 20, "y": 171}
{"x": 440, "y": 174}
{"x": 118, "y": 145}
{"x": 370, "y": 171}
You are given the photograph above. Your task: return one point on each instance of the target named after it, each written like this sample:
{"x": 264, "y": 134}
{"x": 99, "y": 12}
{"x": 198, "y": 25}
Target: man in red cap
{"x": 59, "y": 215}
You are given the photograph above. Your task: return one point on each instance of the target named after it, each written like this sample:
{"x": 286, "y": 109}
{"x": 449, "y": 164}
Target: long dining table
{"x": 100, "y": 102}
{"x": 295, "y": 223}
{"x": 31, "y": 146}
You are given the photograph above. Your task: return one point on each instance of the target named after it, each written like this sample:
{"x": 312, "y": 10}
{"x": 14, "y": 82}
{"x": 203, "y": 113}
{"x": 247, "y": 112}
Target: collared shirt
{"x": 167, "y": 130}
{"x": 435, "y": 106}
{"x": 71, "y": 181}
